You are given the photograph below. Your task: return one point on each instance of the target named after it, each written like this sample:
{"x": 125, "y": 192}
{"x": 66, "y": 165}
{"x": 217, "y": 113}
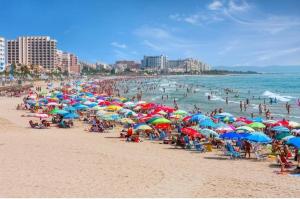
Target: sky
{"x": 218, "y": 32}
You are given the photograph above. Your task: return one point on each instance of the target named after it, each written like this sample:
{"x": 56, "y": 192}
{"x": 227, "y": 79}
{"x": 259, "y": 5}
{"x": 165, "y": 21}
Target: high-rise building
{"x": 2, "y": 54}
{"x": 67, "y": 62}
{"x": 156, "y": 62}
{"x": 188, "y": 65}
{"x": 74, "y": 65}
{"x": 32, "y": 50}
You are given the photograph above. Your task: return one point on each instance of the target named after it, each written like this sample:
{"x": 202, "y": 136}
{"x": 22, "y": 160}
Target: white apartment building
{"x": 156, "y": 62}
{"x": 2, "y": 54}
{"x": 32, "y": 50}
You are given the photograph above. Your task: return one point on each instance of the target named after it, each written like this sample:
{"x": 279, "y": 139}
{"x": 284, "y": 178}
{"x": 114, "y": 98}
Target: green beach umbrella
{"x": 180, "y": 112}
{"x": 245, "y": 128}
{"x": 257, "y": 125}
{"x": 161, "y": 121}
{"x": 54, "y": 111}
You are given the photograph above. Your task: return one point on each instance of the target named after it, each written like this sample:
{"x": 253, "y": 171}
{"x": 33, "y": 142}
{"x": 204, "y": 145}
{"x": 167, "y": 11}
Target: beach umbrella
{"x": 209, "y": 132}
{"x": 187, "y": 118}
{"x": 162, "y": 126}
{"x": 127, "y": 121}
{"x": 245, "y": 129}
{"x": 153, "y": 118}
{"x": 191, "y": 132}
{"x": 231, "y": 136}
{"x": 280, "y": 136}
{"x": 207, "y": 123}
{"x": 52, "y": 104}
{"x": 280, "y": 129}
{"x": 61, "y": 112}
{"x": 70, "y": 108}
{"x": 198, "y": 117}
{"x": 258, "y": 137}
{"x": 161, "y": 121}
{"x": 113, "y": 108}
{"x": 257, "y": 119}
{"x": 180, "y": 112}
{"x": 129, "y": 104}
{"x": 269, "y": 122}
{"x": 256, "y": 125}
{"x": 81, "y": 107}
{"x": 104, "y": 103}
{"x": 288, "y": 137}
{"x": 143, "y": 127}
{"x": 295, "y": 142}
{"x": 54, "y": 111}
{"x": 71, "y": 116}
{"x": 294, "y": 124}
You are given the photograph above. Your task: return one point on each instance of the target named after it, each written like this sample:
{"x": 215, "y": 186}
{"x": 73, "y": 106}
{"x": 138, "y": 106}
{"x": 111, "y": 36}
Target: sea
{"x": 257, "y": 88}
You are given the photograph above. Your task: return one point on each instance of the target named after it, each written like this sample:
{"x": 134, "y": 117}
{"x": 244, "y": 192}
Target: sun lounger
{"x": 231, "y": 152}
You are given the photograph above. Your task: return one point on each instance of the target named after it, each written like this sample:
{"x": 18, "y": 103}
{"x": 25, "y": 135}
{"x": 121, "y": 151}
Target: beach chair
{"x": 230, "y": 151}
{"x": 187, "y": 142}
{"x": 162, "y": 135}
{"x": 152, "y": 136}
{"x": 199, "y": 147}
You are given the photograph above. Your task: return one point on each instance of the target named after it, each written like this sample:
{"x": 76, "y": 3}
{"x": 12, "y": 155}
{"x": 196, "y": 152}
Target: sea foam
{"x": 279, "y": 97}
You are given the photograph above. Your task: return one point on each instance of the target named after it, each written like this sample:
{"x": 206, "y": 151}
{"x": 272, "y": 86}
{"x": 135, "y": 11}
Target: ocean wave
{"x": 215, "y": 97}
{"x": 279, "y": 97}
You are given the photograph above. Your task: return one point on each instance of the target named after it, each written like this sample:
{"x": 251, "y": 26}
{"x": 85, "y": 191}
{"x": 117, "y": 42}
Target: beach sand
{"x": 73, "y": 163}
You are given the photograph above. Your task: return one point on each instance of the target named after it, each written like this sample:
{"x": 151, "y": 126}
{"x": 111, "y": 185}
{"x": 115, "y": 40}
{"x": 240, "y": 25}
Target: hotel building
{"x": 2, "y": 54}
{"x": 32, "y": 50}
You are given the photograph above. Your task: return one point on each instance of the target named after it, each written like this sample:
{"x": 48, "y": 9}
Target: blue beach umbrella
{"x": 70, "y": 108}
{"x": 280, "y": 129}
{"x": 295, "y": 142}
{"x": 207, "y": 123}
{"x": 198, "y": 117}
{"x": 81, "y": 107}
{"x": 71, "y": 116}
{"x": 258, "y": 137}
{"x": 231, "y": 136}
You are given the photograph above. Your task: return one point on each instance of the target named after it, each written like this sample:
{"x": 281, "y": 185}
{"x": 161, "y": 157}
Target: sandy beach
{"x": 73, "y": 163}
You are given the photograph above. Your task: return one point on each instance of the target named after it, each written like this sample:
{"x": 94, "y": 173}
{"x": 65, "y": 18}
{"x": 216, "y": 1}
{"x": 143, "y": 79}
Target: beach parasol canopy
{"x": 231, "y": 136}
{"x": 288, "y": 137}
{"x": 113, "y": 108}
{"x": 209, "y": 133}
{"x": 162, "y": 126}
{"x": 198, "y": 117}
{"x": 207, "y": 123}
{"x": 293, "y": 124}
{"x": 143, "y": 127}
{"x": 52, "y": 104}
{"x": 257, "y": 125}
{"x": 180, "y": 112}
{"x": 71, "y": 116}
{"x": 295, "y": 142}
{"x": 127, "y": 121}
{"x": 258, "y": 137}
{"x": 80, "y": 107}
{"x": 245, "y": 129}
{"x": 280, "y": 129}
{"x": 191, "y": 132}
{"x": 281, "y": 135}
{"x": 161, "y": 121}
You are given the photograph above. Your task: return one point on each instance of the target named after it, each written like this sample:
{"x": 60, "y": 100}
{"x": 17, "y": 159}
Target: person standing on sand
{"x": 226, "y": 100}
{"x": 245, "y": 106}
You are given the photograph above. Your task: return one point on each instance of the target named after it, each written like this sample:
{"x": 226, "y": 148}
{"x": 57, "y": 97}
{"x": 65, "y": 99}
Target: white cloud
{"x": 215, "y": 5}
{"x": 238, "y": 5}
{"x": 277, "y": 53}
{"x": 118, "y": 45}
